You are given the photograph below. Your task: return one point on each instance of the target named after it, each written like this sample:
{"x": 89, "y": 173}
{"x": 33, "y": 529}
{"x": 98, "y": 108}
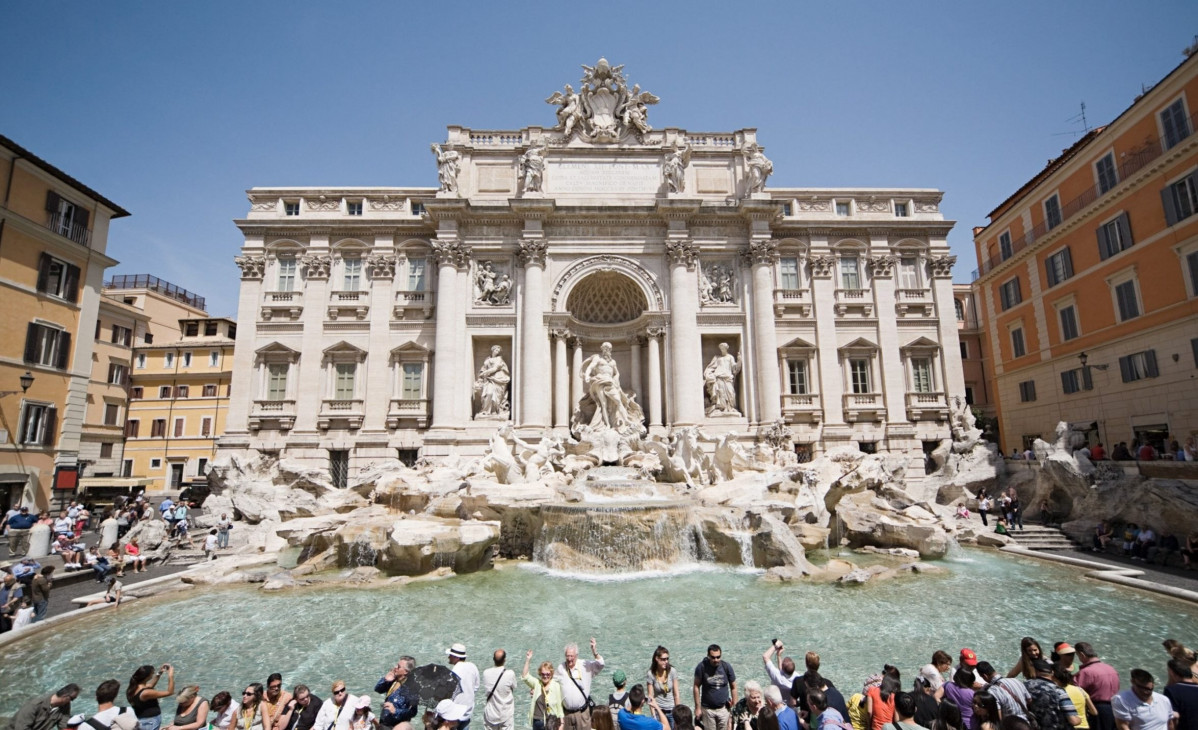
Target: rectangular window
{"x": 849, "y": 273}
{"x": 353, "y": 208}
{"x": 148, "y": 339}
{"x": 1114, "y": 236}
{"x": 796, "y": 376}
{"x": 37, "y": 425}
{"x": 1059, "y": 266}
{"x": 191, "y": 329}
{"x": 187, "y": 359}
{"x": 117, "y": 374}
{"x": 141, "y": 361}
{"x": 157, "y": 428}
{"x": 178, "y": 427}
{"x": 921, "y": 375}
{"x": 210, "y": 391}
{"x": 960, "y": 307}
{"x": 413, "y": 381}
{"x": 127, "y": 468}
{"x": 168, "y": 360}
{"x": 131, "y": 428}
{"x": 964, "y": 350}
{"x": 276, "y": 381}
{"x": 1175, "y": 124}
{"x": 353, "y": 274}
{"x": 1071, "y": 381}
{"x": 787, "y": 210}
{"x": 909, "y": 272}
{"x": 291, "y": 208}
{"x": 969, "y": 395}
{"x": 201, "y": 467}
{"x": 1027, "y": 391}
{"x": 1192, "y": 265}
{"x": 1138, "y": 365}
{"x": 900, "y": 210}
{"x": 155, "y": 463}
{"x": 136, "y": 393}
{"x": 287, "y": 273}
{"x": 213, "y": 358}
{"x": 210, "y": 328}
{"x": 164, "y": 392}
{"x": 1009, "y": 294}
{"x": 47, "y": 346}
{"x": 1105, "y": 169}
{"x": 112, "y": 414}
{"x": 789, "y": 270}
{"x": 1017, "y": 346}
{"x": 1068, "y": 322}
{"x": 416, "y": 274}
{"x": 1004, "y": 245}
{"x": 206, "y": 426}
{"x": 121, "y": 335}
{"x": 859, "y": 376}
{"x": 842, "y": 209}
{"x": 57, "y": 278}
{"x": 1129, "y": 305}
{"x": 1052, "y": 212}
{"x": 106, "y": 450}
{"x": 183, "y": 391}
{"x": 343, "y": 386}
{"x": 1180, "y": 199}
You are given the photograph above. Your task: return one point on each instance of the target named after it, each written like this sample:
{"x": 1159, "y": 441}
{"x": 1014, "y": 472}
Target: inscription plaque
{"x": 603, "y": 177}
{"x": 494, "y": 179}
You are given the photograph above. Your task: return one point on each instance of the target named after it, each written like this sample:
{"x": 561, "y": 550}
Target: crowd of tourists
{"x": 1066, "y": 689}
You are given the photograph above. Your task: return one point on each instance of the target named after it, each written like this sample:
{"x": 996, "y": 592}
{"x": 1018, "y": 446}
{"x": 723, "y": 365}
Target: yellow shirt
{"x": 1079, "y": 697}
{"x": 857, "y": 711}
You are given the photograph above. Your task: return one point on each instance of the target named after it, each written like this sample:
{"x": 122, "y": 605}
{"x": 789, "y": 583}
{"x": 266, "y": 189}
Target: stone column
{"x": 309, "y": 387}
{"x": 379, "y": 380}
{"x": 823, "y": 299}
{"x": 446, "y": 356}
{"x": 635, "y": 343}
{"x": 575, "y": 372}
{"x": 684, "y": 332}
{"x": 561, "y": 380}
{"x": 245, "y": 380}
{"x": 763, "y": 252}
{"x": 655, "y": 334}
{"x": 534, "y": 345}
{"x": 890, "y": 377}
{"x": 941, "y": 266}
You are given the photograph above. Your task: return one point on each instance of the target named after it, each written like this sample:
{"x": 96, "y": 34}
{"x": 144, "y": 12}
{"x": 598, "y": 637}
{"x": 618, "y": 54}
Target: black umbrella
{"x": 434, "y": 682}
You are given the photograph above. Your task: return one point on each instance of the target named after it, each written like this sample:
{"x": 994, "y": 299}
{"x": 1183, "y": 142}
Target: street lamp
{"x": 26, "y": 381}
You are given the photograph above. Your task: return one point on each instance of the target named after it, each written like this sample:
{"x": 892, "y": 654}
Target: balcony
{"x": 348, "y": 305}
{"x": 278, "y": 412}
{"x": 416, "y": 303}
{"x": 927, "y": 407}
{"x": 857, "y": 301}
{"x": 803, "y": 407}
{"x": 347, "y": 411}
{"x": 65, "y": 227}
{"x": 408, "y": 409}
{"x": 863, "y": 407}
{"x": 792, "y": 300}
{"x": 913, "y": 301}
{"x": 281, "y": 305}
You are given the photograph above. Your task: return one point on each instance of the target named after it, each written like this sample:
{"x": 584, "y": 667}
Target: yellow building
{"x": 53, "y": 238}
{"x": 119, "y": 328}
{"x": 178, "y": 400}
{"x": 1088, "y": 282}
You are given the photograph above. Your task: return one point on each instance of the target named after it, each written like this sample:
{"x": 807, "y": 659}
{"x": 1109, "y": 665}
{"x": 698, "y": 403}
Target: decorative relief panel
{"x": 717, "y": 283}
{"x": 387, "y": 204}
{"x": 323, "y": 204}
{"x": 492, "y": 284}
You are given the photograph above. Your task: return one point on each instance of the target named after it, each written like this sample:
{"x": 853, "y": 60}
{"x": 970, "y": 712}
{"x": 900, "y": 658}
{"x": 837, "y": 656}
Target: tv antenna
{"x": 1079, "y": 118}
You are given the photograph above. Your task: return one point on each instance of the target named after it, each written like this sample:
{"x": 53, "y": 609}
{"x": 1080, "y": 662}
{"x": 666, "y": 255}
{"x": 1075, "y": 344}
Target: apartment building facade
{"x": 970, "y": 334}
{"x": 1088, "y": 280}
{"x": 118, "y": 328}
{"x": 53, "y": 242}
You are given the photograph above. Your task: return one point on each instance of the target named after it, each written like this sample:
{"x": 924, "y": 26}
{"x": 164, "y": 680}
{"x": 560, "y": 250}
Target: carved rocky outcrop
{"x": 871, "y": 520}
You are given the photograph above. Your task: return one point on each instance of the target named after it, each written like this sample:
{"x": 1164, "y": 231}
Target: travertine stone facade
{"x": 367, "y": 313}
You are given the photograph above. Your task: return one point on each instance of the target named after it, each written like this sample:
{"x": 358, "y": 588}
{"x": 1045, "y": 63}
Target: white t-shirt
{"x": 22, "y": 618}
{"x": 583, "y": 673}
{"x": 1141, "y": 715}
{"x": 210, "y": 543}
{"x": 467, "y": 686}
{"x": 502, "y": 706}
{"x": 106, "y": 717}
{"x": 227, "y": 716}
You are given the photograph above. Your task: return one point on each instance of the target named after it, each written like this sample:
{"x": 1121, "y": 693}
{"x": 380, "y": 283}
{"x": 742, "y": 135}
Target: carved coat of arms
{"x": 604, "y": 109}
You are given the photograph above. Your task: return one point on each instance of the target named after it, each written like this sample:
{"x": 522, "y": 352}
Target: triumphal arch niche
{"x": 593, "y": 240}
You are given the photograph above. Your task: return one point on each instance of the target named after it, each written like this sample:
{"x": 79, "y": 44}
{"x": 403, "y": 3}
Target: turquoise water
{"x": 224, "y": 639}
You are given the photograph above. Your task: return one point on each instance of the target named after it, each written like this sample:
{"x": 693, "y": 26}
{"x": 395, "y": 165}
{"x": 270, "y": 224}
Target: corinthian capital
{"x": 942, "y": 266}
{"x": 682, "y": 252}
{"x": 252, "y": 267}
{"x": 762, "y": 251}
{"x": 316, "y": 266}
{"x": 533, "y": 252}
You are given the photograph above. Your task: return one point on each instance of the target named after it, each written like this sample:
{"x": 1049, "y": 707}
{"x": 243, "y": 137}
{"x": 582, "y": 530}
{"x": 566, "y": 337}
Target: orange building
{"x": 1088, "y": 281}
{"x": 53, "y": 237}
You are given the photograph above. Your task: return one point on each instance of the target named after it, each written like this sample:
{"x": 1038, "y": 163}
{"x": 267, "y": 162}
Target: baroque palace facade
{"x": 407, "y": 322}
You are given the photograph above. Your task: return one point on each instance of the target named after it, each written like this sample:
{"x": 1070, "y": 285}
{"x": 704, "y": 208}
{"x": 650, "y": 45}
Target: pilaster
{"x": 823, "y": 300}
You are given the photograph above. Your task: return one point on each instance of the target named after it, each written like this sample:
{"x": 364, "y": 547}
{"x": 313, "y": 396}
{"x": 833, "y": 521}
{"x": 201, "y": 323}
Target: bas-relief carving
{"x": 717, "y": 284}
{"x": 491, "y": 386}
{"x": 263, "y": 206}
{"x": 492, "y": 284}
{"x": 323, "y": 204}
{"x": 316, "y": 266}
{"x": 871, "y": 205}
{"x": 759, "y": 168}
{"x": 252, "y": 267}
{"x": 448, "y": 167}
{"x": 604, "y": 109}
{"x": 532, "y": 168}
{"x": 720, "y": 379}
{"x": 387, "y": 203}
{"x": 927, "y": 206}
{"x": 815, "y": 205}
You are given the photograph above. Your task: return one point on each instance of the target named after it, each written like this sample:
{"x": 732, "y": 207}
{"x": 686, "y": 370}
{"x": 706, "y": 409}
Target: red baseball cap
{"x": 968, "y": 658}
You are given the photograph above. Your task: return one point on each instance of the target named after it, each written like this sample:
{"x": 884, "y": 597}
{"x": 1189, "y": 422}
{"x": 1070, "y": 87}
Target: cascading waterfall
{"x": 616, "y": 538}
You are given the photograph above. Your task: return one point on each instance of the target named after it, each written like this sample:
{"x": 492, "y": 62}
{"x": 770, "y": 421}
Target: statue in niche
{"x": 720, "y": 376}
{"x": 613, "y": 409}
{"x": 532, "y": 168}
{"x": 674, "y": 168}
{"x": 448, "y": 167}
{"x": 717, "y": 284}
{"x": 492, "y": 386}
{"x": 759, "y": 167}
{"x": 569, "y": 112}
{"x": 491, "y": 286}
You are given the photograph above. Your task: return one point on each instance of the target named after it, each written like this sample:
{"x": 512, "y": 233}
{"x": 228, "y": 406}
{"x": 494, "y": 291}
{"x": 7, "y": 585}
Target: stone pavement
{"x": 1169, "y": 576}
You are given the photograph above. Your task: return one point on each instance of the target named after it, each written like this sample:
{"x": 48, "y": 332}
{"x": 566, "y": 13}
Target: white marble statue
{"x": 720, "y": 376}
{"x": 759, "y": 168}
{"x": 604, "y": 109}
{"x": 448, "y": 167}
{"x": 634, "y": 111}
{"x": 717, "y": 284}
{"x": 492, "y": 386}
{"x": 491, "y": 286}
{"x": 613, "y": 408}
{"x": 569, "y": 112}
{"x": 674, "y": 168}
{"x": 532, "y": 168}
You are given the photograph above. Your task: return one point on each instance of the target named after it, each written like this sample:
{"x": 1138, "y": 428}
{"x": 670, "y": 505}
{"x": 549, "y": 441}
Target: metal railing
{"x": 1132, "y": 162}
{"x": 63, "y": 226}
{"x": 153, "y": 283}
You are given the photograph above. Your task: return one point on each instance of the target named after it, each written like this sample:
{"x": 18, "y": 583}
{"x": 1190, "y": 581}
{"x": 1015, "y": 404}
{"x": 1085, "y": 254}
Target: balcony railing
{"x": 1131, "y": 162}
{"x": 790, "y": 295}
{"x": 64, "y": 227}
{"x": 861, "y": 400}
{"x": 408, "y": 409}
{"x": 410, "y": 297}
{"x": 332, "y": 405}
{"x": 850, "y": 295}
{"x": 274, "y": 407}
{"x": 911, "y": 294}
{"x": 926, "y": 406}
{"x": 281, "y": 296}
{"x": 153, "y": 283}
{"x": 348, "y": 296}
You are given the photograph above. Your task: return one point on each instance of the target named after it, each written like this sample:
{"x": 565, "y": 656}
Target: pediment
{"x": 798, "y": 343}
{"x": 859, "y": 344}
{"x": 276, "y": 348}
{"x": 921, "y": 343}
{"x": 343, "y": 348}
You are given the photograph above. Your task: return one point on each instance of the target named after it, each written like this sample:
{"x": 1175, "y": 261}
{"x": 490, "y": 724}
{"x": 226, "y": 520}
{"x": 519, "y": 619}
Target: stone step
{"x": 1041, "y": 537}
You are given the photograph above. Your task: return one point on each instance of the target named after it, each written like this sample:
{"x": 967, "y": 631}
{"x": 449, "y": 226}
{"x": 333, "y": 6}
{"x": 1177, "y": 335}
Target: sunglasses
{"x": 247, "y": 693}
{"x": 275, "y": 686}
{"x": 339, "y": 691}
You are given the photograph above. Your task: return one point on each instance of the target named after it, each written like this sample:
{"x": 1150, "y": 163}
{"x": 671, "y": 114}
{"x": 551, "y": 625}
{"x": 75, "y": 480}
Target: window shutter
{"x": 1068, "y": 261}
{"x": 31, "y": 338}
{"x": 1065, "y": 382}
{"x": 1170, "y": 207}
{"x": 1048, "y": 269}
{"x": 43, "y": 272}
{"x": 1150, "y": 361}
{"x": 1087, "y": 379}
{"x": 1124, "y": 224}
{"x": 1104, "y": 245}
{"x": 70, "y": 285}
{"x": 52, "y": 199}
{"x": 51, "y": 426}
{"x": 1125, "y": 368}
{"x": 64, "y": 350}
{"x": 82, "y": 216}
{"x": 178, "y": 427}
{"x": 1194, "y": 347}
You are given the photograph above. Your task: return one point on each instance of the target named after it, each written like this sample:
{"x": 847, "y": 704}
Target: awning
{"x": 17, "y": 477}
{"x": 106, "y": 482}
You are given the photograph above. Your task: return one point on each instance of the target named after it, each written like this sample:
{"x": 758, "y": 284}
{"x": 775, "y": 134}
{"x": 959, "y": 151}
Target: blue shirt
{"x": 629, "y": 721}
{"x": 787, "y": 719}
{"x": 22, "y": 522}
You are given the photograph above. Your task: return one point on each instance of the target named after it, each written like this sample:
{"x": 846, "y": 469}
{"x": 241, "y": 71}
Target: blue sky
{"x": 174, "y": 109}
